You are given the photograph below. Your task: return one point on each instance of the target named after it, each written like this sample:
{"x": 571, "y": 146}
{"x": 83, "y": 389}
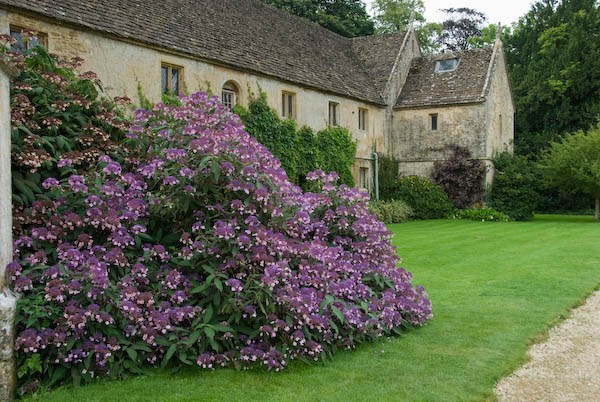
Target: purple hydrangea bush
{"x": 194, "y": 247}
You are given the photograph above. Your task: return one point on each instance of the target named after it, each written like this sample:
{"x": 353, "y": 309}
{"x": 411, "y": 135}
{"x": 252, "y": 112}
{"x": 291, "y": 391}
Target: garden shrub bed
{"x": 189, "y": 245}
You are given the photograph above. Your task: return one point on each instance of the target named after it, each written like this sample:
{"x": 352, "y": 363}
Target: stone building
{"x": 393, "y": 100}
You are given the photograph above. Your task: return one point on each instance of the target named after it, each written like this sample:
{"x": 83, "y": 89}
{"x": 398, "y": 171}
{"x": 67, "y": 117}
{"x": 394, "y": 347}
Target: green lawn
{"x": 495, "y": 288}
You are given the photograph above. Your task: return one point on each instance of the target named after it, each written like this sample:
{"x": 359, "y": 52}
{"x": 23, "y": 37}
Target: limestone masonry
{"x": 411, "y": 106}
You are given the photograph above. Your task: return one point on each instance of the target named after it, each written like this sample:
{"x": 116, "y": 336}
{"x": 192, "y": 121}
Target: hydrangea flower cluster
{"x": 195, "y": 247}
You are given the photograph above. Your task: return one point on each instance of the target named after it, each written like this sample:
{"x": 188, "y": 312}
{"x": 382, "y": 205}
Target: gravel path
{"x": 566, "y": 367}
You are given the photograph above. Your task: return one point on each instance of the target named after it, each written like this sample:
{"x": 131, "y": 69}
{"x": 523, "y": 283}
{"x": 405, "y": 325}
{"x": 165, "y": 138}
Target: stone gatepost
{"x": 7, "y": 299}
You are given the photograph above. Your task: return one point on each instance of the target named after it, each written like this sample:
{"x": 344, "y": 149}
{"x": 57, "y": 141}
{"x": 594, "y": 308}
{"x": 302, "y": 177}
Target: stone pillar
{"x": 7, "y": 299}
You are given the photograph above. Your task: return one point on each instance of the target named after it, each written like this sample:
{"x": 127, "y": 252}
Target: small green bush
{"x": 391, "y": 211}
{"x": 481, "y": 214}
{"x": 513, "y": 191}
{"x": 427, "y": 199}
{"x": 336, "y": 152}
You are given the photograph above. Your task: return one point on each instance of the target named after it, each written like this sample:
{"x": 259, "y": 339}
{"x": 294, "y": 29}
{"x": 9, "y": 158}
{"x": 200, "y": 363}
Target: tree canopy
{"x": 553, "y": 57}
{"x": 574, "y": 163}
{"x": 394, "y": 16}
{"x": 346, "y": 17}
{"x": 462, "y": 24}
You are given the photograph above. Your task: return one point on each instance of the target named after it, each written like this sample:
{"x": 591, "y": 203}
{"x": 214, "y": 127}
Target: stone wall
{"x": 122, "y": 65}
{"x": 417, "y": 146}
{"x": 484, "y": 128}
{"x": 408, "y": 51}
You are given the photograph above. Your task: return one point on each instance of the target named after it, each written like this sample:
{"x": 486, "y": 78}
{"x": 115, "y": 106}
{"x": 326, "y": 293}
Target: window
{"x": 288, "y": 104}
{"x": 334, "y": 117}
{"x": 442, "y": 66}
{"x": 229, "y": 94}
{"x": 434, "y": 121}
{"x": 362, "y": 119}
{"x": 24, "y": 43}
{"x": 171, "y": 79}
{"x": 364, "y": 173}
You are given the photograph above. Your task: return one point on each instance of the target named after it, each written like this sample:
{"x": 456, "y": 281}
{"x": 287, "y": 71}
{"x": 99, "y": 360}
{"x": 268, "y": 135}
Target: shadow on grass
{"x": 565, "y": 218}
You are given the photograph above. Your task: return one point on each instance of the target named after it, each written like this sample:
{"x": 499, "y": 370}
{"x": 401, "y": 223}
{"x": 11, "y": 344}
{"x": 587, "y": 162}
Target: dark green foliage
{"x": 279, "y": 136}
{"x": 336, "y": 152}
{"x": 346, "y": 17}
{"x": 302, "y": 151}
{"x": 554, "y": 62}
{"x": 513, "y": 190}
{"x": 574, "y": 164}
{"x": 427, "y": 199}
{"x": 388, "y": 173}
{"x": 461, "y": 177}
{"x": 307, "y": 155}
{"x": 391, "y": 211}
{"x": 481, "y": 214}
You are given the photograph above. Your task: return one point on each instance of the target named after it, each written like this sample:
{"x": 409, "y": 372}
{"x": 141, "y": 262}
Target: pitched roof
{"x": 244, "y": 34}
{"x": 378, "y": 55}
{"x": 466, "y": 84}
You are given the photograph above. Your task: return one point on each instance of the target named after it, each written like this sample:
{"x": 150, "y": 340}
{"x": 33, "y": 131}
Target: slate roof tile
{"x": 246, "y": 34}
{"x": 424, "y": 87}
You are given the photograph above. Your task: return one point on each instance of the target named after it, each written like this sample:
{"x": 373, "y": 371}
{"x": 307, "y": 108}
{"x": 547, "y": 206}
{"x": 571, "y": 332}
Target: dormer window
{"x": 443, "y": 66}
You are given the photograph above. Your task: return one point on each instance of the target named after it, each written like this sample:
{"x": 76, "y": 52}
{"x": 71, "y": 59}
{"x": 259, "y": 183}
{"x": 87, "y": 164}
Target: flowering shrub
{"x": 57, "y": 118}
{"x": 197, "y": 249}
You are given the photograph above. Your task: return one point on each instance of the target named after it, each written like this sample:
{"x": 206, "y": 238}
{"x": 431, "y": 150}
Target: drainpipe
{"x": 376, "y": 170}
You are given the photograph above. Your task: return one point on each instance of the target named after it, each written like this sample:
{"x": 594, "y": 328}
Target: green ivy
{"x": 299, "y": 151}
{"x": 337, "y": 150}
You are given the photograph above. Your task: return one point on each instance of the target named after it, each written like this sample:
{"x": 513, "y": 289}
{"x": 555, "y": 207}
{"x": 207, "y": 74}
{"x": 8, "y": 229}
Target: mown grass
{"x": 495, "y": 288}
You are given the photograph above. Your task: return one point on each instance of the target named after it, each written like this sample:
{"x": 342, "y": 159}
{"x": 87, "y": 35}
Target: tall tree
{"x": 462, "y": 24}
{"x": 554, "y": 62}
{"x": 394, "y": 16}
{"x": 346, "y": 17}
{"x": 574, "y": 164}
{"x": 488, "y": 36}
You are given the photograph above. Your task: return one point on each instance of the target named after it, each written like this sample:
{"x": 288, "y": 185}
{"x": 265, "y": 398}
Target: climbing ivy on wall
{"x": 299, "y": 150}
{"x": 337, "y": 150}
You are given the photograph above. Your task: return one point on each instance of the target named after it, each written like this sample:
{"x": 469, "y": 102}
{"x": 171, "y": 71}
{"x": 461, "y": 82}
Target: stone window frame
{"x": 438, "y": 65}
{"x": 169, "y": 84}
{"x": 230, "y": 94}
{"x": 434, "y": 121}
{"x": 363, "y": 119}
{"x": 334, "y": 113}
{"x": 363, "y": 175}
{"x": 288, "y": 104}
{"x": 42, "y": 36}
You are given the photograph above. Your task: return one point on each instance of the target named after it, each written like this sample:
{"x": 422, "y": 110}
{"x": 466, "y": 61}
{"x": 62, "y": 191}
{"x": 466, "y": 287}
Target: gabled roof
{"x": 378, "y": 54}
{"x": 467, "y": 84}
{"x": 244, "y": 34}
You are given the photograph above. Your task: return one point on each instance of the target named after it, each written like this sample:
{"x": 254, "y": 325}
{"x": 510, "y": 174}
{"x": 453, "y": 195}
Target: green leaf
{"x": 169, "y": 354}
{"x": 337, "y": 313}
{"x": 210, "y": 333}
{"x": 193, "y": 337}
{"x": 132, "y": 354}
{"x": 208, "y": 313}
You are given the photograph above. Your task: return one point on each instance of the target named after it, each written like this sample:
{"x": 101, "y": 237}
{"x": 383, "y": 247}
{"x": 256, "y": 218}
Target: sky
{"x": 504, "y": 11}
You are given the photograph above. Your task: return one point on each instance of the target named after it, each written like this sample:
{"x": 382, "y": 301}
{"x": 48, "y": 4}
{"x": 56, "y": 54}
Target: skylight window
{"x": 443, "y": 66}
